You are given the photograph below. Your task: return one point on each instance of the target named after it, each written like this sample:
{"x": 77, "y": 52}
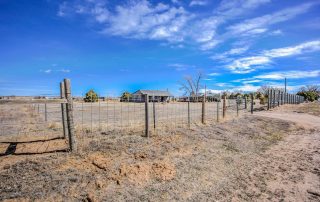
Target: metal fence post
{"x": 245, "y": 102}
{"x": 278, "y": 98}
{"x": 268, "y": 107}
{"x": 224, "y": 106}
{"x": 218, "y": 103}
{"x": 71, "y": 131}
{"x": 146, "y": 101}
{"x": 237, "y": 104}
{"x": 274, "y": 99}
{"x": 45, "y": 113}
{"x": 252, "y": 103}
{"x": 203, "y": 117}
{"x": 154, "y": 114}
{"x": 189, "y": 113}
{"x": 63, "y": 110}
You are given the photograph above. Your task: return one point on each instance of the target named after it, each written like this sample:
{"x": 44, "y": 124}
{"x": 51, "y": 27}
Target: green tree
{"x": 91, "y": 96}
{"x": 126, "y": 96}
{"x": 310, "y": 93}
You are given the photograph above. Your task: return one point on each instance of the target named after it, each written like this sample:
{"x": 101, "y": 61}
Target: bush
{"x": 309, "y": 95}
{"x": 125, "y": 96}
{"x": 91, "y": 96}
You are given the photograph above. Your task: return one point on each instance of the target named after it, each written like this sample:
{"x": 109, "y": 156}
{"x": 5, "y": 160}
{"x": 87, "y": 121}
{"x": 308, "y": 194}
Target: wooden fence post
{"x": 224, "y": 106}
{"x": 237, "y": 105}
{"x": 245, "y": 102}
{"x": 218, "y": 103}
{"x": 154, "y": 114}
{"x": 63, "y": 110}
{"x": 189, "y": 124}
{"x": 278, "y": 98}
{"x": 45, "y": 113}
{"x": 71, "y": 131}
{"x": 203, "y": 117}
{"x": 252, "y": 103}
{"x": 146, "y": 101}
{"x": 274, "y": 99}
{"x": 268, "y": 107}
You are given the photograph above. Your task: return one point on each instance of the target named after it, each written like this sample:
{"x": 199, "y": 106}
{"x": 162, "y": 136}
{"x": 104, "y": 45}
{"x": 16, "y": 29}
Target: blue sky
{"x": 114, "y": 45}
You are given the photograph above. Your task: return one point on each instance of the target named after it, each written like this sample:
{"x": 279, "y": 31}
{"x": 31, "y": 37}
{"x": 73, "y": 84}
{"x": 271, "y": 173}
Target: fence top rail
{"x": 34, "y": 101}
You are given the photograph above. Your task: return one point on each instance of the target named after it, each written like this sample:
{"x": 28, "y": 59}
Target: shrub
{"x": 309, "y": 95}
{"x": 125, "y": 96}
{"x": 91, "y": 96}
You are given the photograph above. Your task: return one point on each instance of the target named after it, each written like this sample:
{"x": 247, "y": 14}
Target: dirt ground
{"x": 270, "y": 156}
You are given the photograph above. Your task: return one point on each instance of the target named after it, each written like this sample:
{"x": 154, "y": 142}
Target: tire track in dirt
{"x": 290, "y": 170}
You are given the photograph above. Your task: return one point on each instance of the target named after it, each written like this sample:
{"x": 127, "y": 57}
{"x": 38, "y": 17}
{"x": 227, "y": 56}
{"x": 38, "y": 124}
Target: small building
{"x": 154, "y": 96}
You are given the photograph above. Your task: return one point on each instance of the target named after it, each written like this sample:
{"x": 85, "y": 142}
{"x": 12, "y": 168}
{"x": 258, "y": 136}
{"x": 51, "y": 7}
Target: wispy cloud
{"x": 293, "y": 50}
{"x": 198, "y": 3}
{"x": 234, "y": 51}
{"x": 169, "y": 22}
{"x": 49, "y": 71}
{"x": 249, "y": 64}
{"x": 261, "y": 24}
{"x": 214, "y": 74}
{"x": 289, "y": 75}
{"x": 180, "y": 67}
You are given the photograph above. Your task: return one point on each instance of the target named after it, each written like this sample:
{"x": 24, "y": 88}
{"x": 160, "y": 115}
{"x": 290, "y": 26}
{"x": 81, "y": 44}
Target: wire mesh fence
{"x": 44, "y": 119}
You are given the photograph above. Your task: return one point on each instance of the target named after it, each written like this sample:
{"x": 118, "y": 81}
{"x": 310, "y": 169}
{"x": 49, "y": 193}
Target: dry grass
{"x": 210, "y": 162}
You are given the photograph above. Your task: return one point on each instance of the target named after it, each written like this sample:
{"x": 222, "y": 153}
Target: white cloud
{"x": 249, "y": 64}
{"x": 293, "y": 50}
{"x": 180, "y": 67}
{"x": 246, "y": 88}
{"x": 234, "y": 51}
{"x": 234, "y": 8}
{"x": 198, "y": 3}
{"x": 65, "y": 70}
{"x": 134, "y": 19}
{"x": 159, "y": 21}
{"x": 214, "y": 74}
{"x": 260, "y": 24}
{"x": 205, "y": 30}
{"x": 289, "y": 75}
{"x": 276, "y": 32}
{"x": 47, "y": 71}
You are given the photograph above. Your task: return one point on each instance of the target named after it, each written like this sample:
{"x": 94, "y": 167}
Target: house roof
{"x": 154, "y": 92}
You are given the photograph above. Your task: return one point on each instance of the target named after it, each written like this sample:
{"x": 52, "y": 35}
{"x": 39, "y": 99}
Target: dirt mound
{"x": 142, "y": 172}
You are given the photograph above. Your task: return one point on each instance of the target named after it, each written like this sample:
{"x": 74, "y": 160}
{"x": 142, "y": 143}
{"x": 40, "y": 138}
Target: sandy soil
{"x": 271, "y": 156}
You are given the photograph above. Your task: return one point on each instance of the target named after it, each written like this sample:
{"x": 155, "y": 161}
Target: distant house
{"x": 154, "y": 95}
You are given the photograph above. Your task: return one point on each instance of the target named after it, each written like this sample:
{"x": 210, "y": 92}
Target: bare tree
{"x": 191, "y": 85}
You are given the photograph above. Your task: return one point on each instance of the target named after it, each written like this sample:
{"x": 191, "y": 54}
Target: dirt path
{"x": 302, "y": 119}
{"x": 290, "y": 170}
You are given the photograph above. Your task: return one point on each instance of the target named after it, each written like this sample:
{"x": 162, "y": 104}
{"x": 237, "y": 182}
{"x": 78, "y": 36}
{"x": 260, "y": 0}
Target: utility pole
{"x": 285, "y": 85}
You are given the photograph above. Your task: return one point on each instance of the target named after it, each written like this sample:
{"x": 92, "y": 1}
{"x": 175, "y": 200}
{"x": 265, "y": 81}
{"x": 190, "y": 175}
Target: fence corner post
{"x": 71, "y": 130}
